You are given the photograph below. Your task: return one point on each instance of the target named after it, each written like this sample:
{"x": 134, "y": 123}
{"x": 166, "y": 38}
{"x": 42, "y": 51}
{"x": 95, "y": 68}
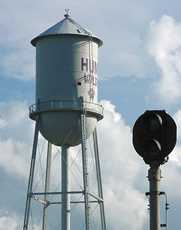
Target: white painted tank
{"x": 66, "y": 73}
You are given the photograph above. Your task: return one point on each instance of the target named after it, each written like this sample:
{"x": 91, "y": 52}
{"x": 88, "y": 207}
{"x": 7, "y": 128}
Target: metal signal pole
{"x": 154, "y": 176}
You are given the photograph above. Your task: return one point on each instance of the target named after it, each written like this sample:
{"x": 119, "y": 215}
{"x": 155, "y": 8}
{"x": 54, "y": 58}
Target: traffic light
{"x": 154, "y": 136}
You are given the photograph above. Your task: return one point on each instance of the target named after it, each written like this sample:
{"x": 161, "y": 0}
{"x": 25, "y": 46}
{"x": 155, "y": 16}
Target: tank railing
{"x": 57, "y": 105}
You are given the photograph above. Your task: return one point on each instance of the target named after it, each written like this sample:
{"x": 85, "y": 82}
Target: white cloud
{"x": 14, "y": 121}
{"x": 171, "y": 176}
{"x": 175, "y": 156}
{"x": 125, "y": 207}
{"x": 15, "y": 138}
{"x": 13, "y": 113}
{"x": 115, "y": 133}
{"x": 164, "y": 45}
{"x": 2, "y": 123}
{"x": 171, "y": 170}
{"x": 19, "y": 64}
{"x": 11, "y": 221}
{"x": 13, "y": 157}
{"x": 177, "y": 118}
{"x": 120, "y": 168}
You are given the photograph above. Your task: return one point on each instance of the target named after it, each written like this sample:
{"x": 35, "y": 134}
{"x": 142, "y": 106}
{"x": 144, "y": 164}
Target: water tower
{"x": 66, "y": 112}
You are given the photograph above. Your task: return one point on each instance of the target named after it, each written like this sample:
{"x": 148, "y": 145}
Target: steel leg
{"x": 99, "y": 180}
{"x": 31, "y": 176}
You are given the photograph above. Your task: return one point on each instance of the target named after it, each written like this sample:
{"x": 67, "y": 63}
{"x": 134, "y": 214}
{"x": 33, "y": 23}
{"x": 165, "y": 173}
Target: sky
{"x": 139, "y": 69}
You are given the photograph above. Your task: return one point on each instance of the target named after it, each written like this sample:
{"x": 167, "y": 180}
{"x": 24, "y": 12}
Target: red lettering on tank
{"x": 88, "y": 65}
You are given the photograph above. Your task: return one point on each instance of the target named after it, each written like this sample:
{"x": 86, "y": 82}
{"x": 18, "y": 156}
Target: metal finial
{"x": 67, "y": 11}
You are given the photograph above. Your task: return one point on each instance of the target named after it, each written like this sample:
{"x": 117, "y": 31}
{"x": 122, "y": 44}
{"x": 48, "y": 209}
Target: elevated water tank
{"x": 66, "y": 82}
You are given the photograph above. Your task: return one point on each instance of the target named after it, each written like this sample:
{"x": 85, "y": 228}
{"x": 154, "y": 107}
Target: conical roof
{"x": 66, "y": 27}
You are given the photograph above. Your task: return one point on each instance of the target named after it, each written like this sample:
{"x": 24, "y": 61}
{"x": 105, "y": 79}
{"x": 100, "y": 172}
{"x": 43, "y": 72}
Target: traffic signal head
{"x": 154, "y": 136}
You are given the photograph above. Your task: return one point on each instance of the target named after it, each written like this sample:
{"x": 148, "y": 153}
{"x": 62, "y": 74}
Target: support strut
{"x": 31, "y": 177}
{"x": 47, "y": 186}
{"x": 99, "y": 180}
